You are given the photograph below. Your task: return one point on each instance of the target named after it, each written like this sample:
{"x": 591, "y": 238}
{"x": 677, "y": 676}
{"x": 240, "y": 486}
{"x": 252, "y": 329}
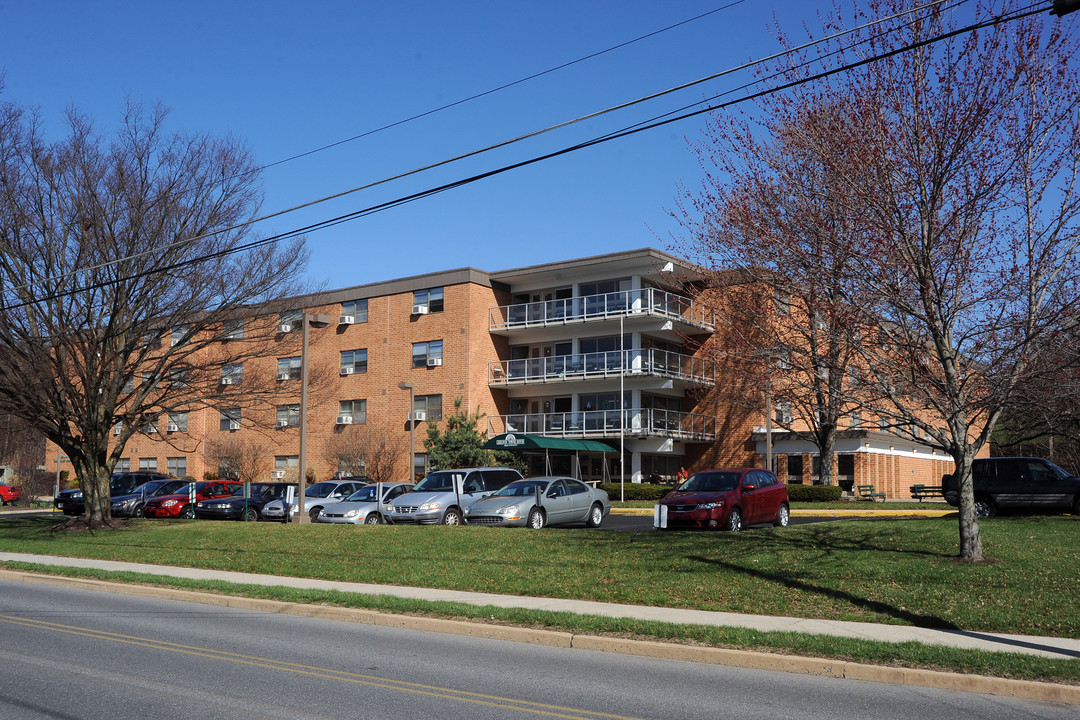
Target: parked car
{"x": 443, "y": 495}
{"x": 1017, "y": 483}
{"x": 729, "y": 499}
{"x": 316, "y": 497}
{"x": 179, "y": 503}
{"x": 132, "y": 505}
{"x": 71, "y": 502}
{"x": 361, "y": 507}
{"x": 536, "y": 502}
{"x": 239, "y": 507}
{"x": 9, "y": 494}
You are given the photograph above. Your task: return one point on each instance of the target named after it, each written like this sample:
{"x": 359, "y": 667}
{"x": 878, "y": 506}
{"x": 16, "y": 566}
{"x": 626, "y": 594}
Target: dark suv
{"x": 1017, "y": 483}
{"x": 71, "y": 502}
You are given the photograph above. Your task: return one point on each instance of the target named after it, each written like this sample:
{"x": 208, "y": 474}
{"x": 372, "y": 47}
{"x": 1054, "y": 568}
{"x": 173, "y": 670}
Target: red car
{"x": 728, "y": 499}
{"x": 9, "y": 494}
{"x": 180, "y": 505}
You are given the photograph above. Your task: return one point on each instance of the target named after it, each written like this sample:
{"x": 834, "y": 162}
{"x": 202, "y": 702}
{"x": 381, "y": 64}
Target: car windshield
{"x": 273, "y": 490}
{"x": 364, "y": 494}
{"x": 1057, "y": 471}
{"x": 164, "y": 487}
{"x": 321, "y": 490}
{"x": 522, "y": 488}
{"x": 711, "y": 482}
{"x": 437, "y": 482}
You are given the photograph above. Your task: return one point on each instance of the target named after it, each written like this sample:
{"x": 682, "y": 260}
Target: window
{"x": 149, "y": 428}
{"x": 430, "y": 404}
{"x": 284, "y": 462}
{"x": 179, "y": 378}
{"x": 855, "y": 419}
{"x": 176, "y": 466}
{"x": 129, "y": 385}
{"x": 432, "y": 299}
{"x": 783, "y": 302}
{"x": 148, "y": 463}
{"x": 355, "y": 409}
{"x": 288, "y": 368}
{"x": 290, "y": 319}
{"x": 356, "y": 308}
{"x": 230, "y": 419}
{"x": 232, "y": 374}
{"x": 288, "y": 415}
{"x": 233, "y": 330}
{"x": 181, "y": 334}
{"x": 152, "y": 340}
{"x": 177, "y": 422}
{"x": 427, "y": 354}
{"x": 353, "y": 361}
{"x": 123, "y": 465}
{"x": 783, "y": 412}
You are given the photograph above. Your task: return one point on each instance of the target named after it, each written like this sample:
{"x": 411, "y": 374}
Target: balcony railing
{"x": 584, "y": 366}
{"x": 646, "y": 301}
{"x": 631, "y": 422}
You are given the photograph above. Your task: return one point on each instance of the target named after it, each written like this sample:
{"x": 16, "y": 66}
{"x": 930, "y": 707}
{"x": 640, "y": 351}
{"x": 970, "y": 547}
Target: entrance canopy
{"x": 517, "y": 441}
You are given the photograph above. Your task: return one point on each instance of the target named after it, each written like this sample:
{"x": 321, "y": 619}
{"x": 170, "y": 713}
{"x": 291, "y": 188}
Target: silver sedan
{"x": 361, "y": 507}
{"x": 536, "y": 502}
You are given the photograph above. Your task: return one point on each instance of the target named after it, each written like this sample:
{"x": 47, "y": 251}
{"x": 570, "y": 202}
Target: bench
{"x": 866, "y": 492}
{"x": 919, "y": 492}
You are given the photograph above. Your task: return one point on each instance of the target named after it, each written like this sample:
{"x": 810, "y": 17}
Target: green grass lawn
{"x": 890, "y": 571}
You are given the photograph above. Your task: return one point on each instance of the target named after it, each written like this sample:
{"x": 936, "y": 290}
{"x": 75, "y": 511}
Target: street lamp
{"x": 319, "y": 321}
{"x": 412, "y": 427}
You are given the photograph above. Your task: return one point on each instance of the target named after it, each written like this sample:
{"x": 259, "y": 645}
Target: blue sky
{"x": 287, "y": 78}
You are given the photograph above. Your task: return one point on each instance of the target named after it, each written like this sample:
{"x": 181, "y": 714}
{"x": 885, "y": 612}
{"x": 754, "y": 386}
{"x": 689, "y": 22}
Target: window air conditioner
{"x": 346, "y": 320}
{"x": 434, "y": 361}
{"x": 419, "y": 309}
{"x": 173, "y": 427}
{"x": 283, "y": 376}
{"x": 277, "y": 474}
{"x": 344, "y": 420}
{"x": 284, "y": 328}
{"x": 418, "y": 416}
{"x": 116, "y": 430}
{"x": 234, "y": 425}
{"x": 283, "y": 423}
{"x": 347, "y": 369}
{"x": 226, "y": 381}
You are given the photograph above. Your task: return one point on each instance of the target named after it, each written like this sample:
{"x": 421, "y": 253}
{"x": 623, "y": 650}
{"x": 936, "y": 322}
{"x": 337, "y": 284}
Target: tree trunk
{"x": 970, "y": 538}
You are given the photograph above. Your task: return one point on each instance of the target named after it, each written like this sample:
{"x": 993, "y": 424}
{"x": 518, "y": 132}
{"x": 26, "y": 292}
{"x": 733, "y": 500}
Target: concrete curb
{"x": 1024, "y": 689}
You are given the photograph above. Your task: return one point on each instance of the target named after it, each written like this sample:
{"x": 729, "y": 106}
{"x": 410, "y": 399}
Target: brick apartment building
{"x": 588, "y": 366}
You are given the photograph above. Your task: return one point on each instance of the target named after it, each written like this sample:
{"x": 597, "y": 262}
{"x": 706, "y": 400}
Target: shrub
{"x": 814, "y": 493}
{"x": 635, "y": 491}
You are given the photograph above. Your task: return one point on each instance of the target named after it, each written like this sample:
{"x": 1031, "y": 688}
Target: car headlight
{"x": 508, "y": 510}
{"x": 348, "y": 513}
{"x": 169, "y": 503}
{"x": 711, "y": 506}
{"x": 429, "y": 506}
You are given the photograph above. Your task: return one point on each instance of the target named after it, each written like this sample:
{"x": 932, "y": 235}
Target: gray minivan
{"x": 443, "y": 495}
{"x": 1017, "y": 483}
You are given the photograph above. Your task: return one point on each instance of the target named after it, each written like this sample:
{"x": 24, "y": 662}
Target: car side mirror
{"x": 749, "y": 486}
{"x": 552, "y": 494}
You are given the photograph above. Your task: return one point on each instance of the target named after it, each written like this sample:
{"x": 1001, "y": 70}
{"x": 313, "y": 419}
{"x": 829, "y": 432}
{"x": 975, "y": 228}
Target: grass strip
{"x": 906, "y": 654}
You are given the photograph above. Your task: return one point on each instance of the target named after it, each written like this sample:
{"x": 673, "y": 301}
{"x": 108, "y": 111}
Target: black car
{"x": 1017, "y": 483}
{"x": 72, "y": 502}
{"x": 239, "y": 507}
{"x": 132, "y": 505}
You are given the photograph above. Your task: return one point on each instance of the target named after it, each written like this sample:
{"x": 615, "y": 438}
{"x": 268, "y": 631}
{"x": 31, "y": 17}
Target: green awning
{"x": 518, "y": 441}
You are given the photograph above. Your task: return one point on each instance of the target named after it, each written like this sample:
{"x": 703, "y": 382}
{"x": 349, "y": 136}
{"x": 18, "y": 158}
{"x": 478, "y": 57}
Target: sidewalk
{"x": 1062, "y": 648}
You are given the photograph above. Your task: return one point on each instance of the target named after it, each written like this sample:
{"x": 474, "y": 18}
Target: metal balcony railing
{"x": 631, "y": 422}
{"x": 646, "y": 301}
{"x": 634, "y": 362}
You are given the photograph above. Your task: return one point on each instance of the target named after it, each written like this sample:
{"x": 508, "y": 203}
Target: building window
{"x": 177, "y": 466}
{"x": 233, "y": 330}
{"x": 123, "y": 465}
{"x": 856, "y": 419}
{"x": 177, "y": 422}
{"x": 354, "y": 361}
{"x": 152, "y": 340}
{"x": 427, "y": 354}
{"x": 149, "y": 428}
{"x": 288, "y": 416}
{"x": 354, "y": 409}
{"x": 230, "y": 419}
{"x": 431, "y": 405}
{"x": 232, "y": 374}
{"x": 148, "y": 463}
{"x": 288, "y": 368}
{"x": 783, "y": 412}
{"x": 284, "y": 463}
{"x": 783, "y": 302}
{"x": 180, "y": 378}
{"x": 290, "y": 320}
{"x": 357, "y": 309}
{"x": 181, "y": 334}
{"x": 431, "y": 300}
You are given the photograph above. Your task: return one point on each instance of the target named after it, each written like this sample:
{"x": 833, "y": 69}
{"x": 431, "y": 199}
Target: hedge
{"x": 814, "y": 493}
{"x": 635, "y": 491}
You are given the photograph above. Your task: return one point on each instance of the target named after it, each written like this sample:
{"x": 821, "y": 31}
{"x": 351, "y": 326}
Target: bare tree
{"x": 122, "y": 262}
{"x": 239, "y": 460}
{"x": 23, "y": 450}
{"x": 366, "y": 450}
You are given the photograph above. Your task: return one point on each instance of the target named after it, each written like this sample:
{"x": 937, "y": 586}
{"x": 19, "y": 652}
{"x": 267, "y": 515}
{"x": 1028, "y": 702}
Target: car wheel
{"x": 596, "y": 516}
{"x": 373, "y": 519}
{"x": 137, "y": 511}
{"x": 985, "y": 507}
{"x": 188, "y": 513}
{"x": 314, "y": 514}
{"x": 251, "y": 514}
{"x": 452, "y": 517}
{"x": 536, "y": 519}
{"x": 783, "y": 516}
{"x": 734, "y": 521}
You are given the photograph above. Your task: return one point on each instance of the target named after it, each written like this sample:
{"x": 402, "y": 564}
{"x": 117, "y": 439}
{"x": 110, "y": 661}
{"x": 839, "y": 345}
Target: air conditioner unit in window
{"x": 116, "y": 430}
{"x": 347, "y": 369}
{"x": 226, "y": 381}
{"x": 173, "y": 427}
{"x": 284, "y": 328}
{"x": 283, "y": 423}
{"x": 277, "y": 474}
{"x": 344, "y": 420}
{"x": 234, "y": 424}
{"x": 346, "y": 320}
{"x": 283, "y": 376}
{"x": 434, "y": 361}
{"x": 419, "y": 309}
{"x": 418, "y": 416}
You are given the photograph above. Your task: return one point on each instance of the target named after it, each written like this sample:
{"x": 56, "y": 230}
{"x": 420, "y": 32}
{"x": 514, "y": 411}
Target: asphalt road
{"x": 68, "y": 653}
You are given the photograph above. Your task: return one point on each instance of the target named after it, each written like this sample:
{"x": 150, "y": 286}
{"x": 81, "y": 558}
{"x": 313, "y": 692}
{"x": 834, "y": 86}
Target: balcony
{"x": 649, "y": 362}
{"x": 632, "y": 422}
{"x": 646, "y": 302}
